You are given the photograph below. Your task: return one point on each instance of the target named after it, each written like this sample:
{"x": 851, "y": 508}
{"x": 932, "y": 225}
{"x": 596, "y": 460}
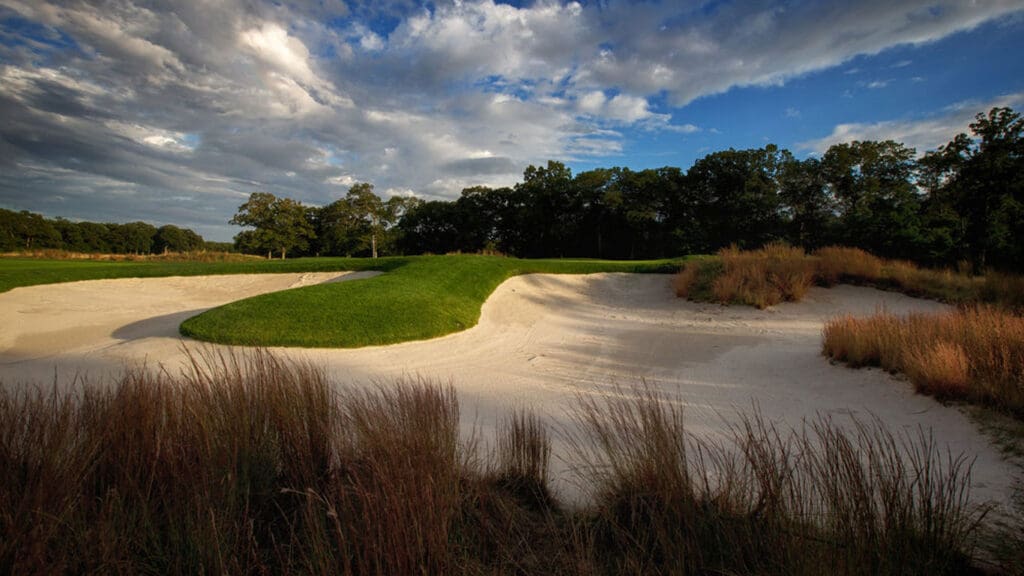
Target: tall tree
{"x": 547, "y": 191}
{"x": 807, "y": 204}
{"x": 280, "y": 224}
{"x": 873, "y": 185}
{"x": 983, "y": 179}
{"x": 738, "y": 195}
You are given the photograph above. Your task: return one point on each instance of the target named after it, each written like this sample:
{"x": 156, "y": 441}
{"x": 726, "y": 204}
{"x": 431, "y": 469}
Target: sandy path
{"x": 541, "y": 340}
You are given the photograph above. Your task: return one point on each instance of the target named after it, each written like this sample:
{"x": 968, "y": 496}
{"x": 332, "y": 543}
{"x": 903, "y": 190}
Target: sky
{"x": 174, "y": 112}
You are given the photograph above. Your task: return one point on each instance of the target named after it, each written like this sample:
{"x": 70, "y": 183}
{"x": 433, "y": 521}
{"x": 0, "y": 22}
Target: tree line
{"x": 962, "y": 202}
{"x": 360, "y": 224}
{"x": 29, "y": 231}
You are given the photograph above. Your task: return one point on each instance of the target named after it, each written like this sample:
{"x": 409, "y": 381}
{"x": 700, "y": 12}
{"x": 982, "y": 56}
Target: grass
{"x": 423, "y": 297}
{"x": 973, "y": 353}
{"x": 18, "y": 272}
{"x": 255, "y": 465}
{"x": 778, "y": 273}
{"x": 190, "y": 256}
{"x": 419, "y": 297}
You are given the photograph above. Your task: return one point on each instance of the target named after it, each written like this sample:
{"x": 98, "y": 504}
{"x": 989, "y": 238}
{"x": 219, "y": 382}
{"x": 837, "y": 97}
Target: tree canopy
{"x": 29, "y": 231}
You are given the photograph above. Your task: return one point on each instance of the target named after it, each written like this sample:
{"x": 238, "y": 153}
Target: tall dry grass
{"x": 973, "y": 353}
{"x": 842, "y": 264}
{"x": 779, "y": 273}
{"x": 255, "y": 465}
{"x": 847, "y": 498}
{"x": 762, "y": 278}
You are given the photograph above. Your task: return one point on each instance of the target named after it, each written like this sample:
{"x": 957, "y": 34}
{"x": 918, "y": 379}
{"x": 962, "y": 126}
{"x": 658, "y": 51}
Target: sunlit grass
{"x": 780, "y": 273}
{"x": 974, "y": 353}
{"x": 424, "y": 297}
{"x": 17, "y": 272}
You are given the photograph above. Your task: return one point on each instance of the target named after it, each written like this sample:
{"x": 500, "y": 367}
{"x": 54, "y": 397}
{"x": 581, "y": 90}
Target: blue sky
{"x": 176, "y": 112}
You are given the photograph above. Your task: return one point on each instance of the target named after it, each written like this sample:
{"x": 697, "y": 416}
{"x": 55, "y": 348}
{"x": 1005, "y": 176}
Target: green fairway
{"x": 15, "y": 272}
{"x": 421, "y": 297}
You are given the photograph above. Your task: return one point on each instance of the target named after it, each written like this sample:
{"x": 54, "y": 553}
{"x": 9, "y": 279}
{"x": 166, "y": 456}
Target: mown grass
{"x": 17, "y": 272}
{"x": 189, "y": 256}
{"x": 973, "y": 353}
{"x": 255, "y": 465}
{"x": 424, "y": 297}
{"x": 778, "y": 273}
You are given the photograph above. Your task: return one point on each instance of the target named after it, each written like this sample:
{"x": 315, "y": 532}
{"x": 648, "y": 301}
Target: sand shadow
{"x": 165, "y": 326}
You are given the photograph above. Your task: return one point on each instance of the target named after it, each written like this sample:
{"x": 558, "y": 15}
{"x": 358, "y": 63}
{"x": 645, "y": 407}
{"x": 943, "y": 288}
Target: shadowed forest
{"x": 960, "y": 205}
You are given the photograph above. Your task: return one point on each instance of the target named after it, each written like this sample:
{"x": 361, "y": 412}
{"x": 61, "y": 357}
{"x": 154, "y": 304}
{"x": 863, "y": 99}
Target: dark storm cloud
{"x": 476, "y": 166}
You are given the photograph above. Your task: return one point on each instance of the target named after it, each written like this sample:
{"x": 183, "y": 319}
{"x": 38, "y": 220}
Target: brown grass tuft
{"x": 846, "y": 498}
{"x": 251, "y": 464}
{"x": 974, "y": 353}
{"x": 765, "y": 277}
{"x": 684, "y": 282}
{"x": 840, "y": 264}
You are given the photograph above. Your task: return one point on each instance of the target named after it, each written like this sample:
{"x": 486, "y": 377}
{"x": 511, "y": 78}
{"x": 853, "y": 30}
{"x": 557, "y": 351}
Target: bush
{"x": 780, "y": 273}
{"x": 974, "y": 353}
{"x": 761, "y": 278}
{"x": 840, "y": 264}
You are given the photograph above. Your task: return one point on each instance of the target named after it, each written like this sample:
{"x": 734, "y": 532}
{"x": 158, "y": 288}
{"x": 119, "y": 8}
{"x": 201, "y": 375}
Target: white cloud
{"x": 922, "y": 135}
{"x": 220, "y": 99}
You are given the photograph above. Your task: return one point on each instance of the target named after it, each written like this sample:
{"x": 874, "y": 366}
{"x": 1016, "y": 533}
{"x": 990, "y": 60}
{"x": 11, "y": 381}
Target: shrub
{"x": 778, "y": 273}
{"x": 840, "y": 264}
{"x": 973, "y": 353}
{"x": 764, "y": 277}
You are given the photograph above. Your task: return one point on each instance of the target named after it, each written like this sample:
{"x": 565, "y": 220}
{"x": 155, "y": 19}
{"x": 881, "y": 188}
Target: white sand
{"x": 541, "y": 340}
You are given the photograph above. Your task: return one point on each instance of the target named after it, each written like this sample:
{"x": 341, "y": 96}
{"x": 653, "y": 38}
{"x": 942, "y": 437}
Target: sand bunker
{"x": 541, "y": 340}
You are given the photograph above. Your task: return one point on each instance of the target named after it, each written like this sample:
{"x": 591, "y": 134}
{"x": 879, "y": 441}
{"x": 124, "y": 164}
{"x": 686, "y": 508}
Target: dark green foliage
{"x": 170, "y": 238}
{"x": 878, "y": 203}
{"x": 963, "y": 202}
{"x": 981, "y": 179}
{"x": 25, "y": 231}
{"x": 279, "y": 225}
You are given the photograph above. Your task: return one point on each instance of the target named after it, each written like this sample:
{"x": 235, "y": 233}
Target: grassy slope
{"x": 15, "y": 272}
{"x": 425, "y": 297}
{"x": 418, "y": 298}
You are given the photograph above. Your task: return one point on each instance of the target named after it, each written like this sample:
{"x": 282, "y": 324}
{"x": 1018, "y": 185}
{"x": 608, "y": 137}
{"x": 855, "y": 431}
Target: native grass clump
{"x": 972, "y": 353}
{"x": 781, "y": 273}
{"x": 253, "y": 464}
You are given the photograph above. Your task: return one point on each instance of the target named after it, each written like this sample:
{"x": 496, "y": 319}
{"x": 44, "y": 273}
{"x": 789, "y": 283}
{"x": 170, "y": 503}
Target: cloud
{"x": 477, "y": 166}
{"x": 155, "y": 102}
{"x": 658, "y": 48}
{"x": 922, "y": 135}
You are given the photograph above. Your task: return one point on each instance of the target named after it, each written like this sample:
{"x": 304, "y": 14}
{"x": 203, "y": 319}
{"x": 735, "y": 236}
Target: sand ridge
{"x": 541, "y": 340}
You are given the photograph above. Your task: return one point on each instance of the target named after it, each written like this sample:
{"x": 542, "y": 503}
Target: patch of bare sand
{"x": 541, "y": 340}
{"x": 55, "y": 320}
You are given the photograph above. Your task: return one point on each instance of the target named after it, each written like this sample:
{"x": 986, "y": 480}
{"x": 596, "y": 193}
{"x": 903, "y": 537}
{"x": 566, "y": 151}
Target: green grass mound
{"x": 418, "y": 298}
{"x": 18, "y": 272}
